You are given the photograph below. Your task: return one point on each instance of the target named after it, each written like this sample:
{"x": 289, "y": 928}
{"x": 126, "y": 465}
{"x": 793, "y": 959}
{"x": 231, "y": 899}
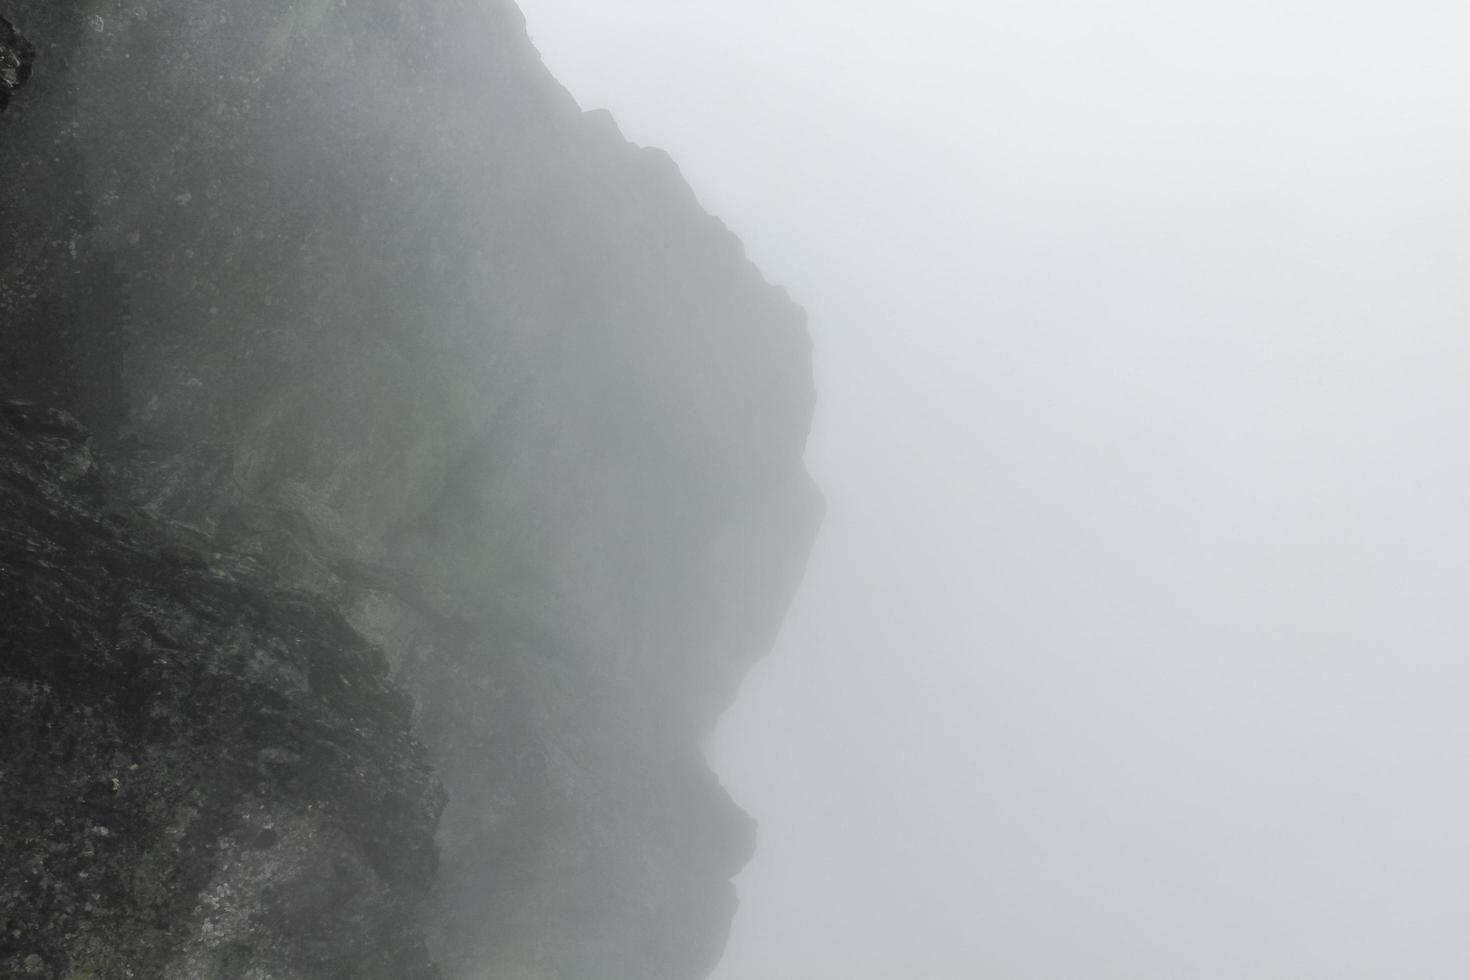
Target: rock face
{"x": 16, "y": 57}
{"x": 201, "y": 771}
{"x": 371, "y": 325}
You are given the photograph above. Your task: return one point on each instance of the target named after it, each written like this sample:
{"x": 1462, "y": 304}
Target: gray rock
{"x": 17, "y": 55}
{"x": 201, "y": 772}
{"x": 356, "y": 301}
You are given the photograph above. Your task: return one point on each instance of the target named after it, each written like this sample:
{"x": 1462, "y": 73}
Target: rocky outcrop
{"x": 354, "y": 299}
{"x": 201, "y": 772}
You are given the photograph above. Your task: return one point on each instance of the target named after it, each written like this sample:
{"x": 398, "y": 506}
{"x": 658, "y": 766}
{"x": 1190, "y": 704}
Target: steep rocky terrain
{"x": 424, "y": 410}
{"x": 199, "y": 770}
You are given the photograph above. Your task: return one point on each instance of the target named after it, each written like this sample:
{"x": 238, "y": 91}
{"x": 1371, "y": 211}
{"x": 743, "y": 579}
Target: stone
{"x": 17, "y": 55}
{"x": 374, "y": 345}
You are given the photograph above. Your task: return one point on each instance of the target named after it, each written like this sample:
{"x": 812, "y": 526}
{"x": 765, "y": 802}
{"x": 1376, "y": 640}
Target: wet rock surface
{"x": 202, "y": 775}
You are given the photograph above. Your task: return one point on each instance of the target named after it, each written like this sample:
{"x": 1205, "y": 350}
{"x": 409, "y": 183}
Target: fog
{"x": 1134, "y": 643}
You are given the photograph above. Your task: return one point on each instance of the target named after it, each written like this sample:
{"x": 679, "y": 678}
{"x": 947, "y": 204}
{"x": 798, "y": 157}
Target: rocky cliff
{"x": 384, "y": 435}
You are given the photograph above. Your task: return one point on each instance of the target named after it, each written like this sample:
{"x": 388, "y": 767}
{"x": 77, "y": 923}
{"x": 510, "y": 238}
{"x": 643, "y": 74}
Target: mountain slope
{"x": 356, "y": 294}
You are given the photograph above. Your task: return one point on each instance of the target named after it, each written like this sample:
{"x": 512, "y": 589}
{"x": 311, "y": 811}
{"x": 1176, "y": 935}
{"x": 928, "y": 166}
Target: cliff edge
{"x": 388, "y": 361}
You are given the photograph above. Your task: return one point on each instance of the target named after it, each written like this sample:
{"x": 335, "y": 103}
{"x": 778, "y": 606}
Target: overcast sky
{"x": 1135, "y": 644}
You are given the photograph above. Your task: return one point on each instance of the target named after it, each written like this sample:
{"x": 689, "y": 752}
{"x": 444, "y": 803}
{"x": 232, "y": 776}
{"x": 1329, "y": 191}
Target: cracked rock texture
{"x": 424, "y": 410}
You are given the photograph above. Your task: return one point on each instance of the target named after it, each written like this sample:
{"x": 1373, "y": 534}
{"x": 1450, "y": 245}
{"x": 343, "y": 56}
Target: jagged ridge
{"x": 360, "y": 296}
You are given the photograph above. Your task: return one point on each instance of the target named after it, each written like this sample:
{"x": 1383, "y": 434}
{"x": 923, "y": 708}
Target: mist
{"x": 1133, "y": 643}
{"x": 402, "y": 471}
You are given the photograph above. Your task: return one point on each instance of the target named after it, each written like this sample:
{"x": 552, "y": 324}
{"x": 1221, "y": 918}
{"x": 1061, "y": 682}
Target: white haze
{"x": 1134, "y": 647}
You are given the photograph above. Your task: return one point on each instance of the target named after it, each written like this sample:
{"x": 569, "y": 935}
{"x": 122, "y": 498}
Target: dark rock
{"x": 17, "y": 55}
{"x": 200, "y": 772}
{"x": 361, "y": 308}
